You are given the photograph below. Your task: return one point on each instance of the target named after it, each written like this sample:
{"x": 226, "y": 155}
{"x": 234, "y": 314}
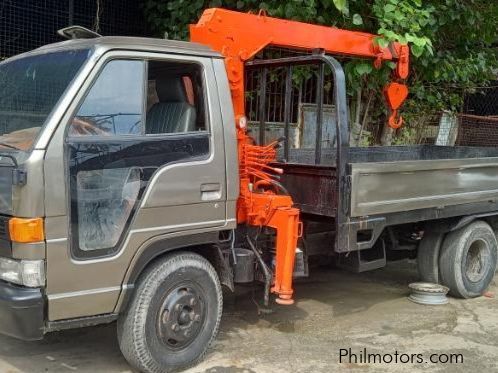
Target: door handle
{"x": 210, "y": 187}
{"x": 210, "y": 191}
{"x": 184, "y": 148}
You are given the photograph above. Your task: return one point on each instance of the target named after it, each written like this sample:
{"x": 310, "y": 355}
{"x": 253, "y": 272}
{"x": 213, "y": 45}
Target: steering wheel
{"x": 85, "y": 127}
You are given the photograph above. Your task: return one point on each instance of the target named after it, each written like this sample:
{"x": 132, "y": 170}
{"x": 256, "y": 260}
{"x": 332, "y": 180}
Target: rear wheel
{"x": 428, "y": 257}
{"x": 468, "y": 258}
{"x": 173, "y": 316}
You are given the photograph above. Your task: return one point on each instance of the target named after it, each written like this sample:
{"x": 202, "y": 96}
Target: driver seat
{"x": 173, "y": 113}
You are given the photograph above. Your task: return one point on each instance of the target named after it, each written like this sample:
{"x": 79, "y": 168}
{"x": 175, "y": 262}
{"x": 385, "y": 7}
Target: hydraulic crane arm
{"x": 240, "y": 36}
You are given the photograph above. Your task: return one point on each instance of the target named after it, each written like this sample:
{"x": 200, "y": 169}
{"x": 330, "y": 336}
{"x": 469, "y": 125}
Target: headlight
{"x": 29, "y": 273}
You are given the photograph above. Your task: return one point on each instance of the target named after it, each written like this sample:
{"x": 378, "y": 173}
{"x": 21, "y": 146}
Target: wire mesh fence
{"x": 477, "y": 125}
{"x": 484, "y": 102}
{"x": 476, "y": 130}
{"x": 28, "y": 24}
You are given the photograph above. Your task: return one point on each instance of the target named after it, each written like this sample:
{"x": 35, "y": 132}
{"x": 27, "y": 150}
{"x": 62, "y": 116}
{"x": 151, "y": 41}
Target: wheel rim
{"x": 180, "y": 316}
{"x": 475, "y": 263}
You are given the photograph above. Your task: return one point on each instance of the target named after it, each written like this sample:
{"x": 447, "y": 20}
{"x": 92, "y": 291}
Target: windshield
{"x": 29, "y": 89}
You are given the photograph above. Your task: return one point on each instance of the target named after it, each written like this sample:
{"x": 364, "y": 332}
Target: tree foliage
{"x": 453, "y": 42}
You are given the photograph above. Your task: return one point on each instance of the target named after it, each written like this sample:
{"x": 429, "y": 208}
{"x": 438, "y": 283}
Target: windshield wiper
{"x": 10, "y": 146}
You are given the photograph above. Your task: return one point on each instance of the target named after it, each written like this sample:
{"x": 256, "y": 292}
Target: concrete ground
{"x": 334, "y": 310}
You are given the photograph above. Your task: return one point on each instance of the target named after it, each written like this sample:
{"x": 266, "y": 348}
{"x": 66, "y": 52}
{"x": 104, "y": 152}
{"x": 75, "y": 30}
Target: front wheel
{"x": 174, "y": 314}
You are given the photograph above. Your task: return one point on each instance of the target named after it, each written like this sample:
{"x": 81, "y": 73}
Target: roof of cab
{"x": 135, "y": 43}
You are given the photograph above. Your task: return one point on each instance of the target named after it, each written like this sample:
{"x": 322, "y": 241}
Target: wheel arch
{"x": 447, "y": 225}
{"x": 491, "y": 218}
{"x": 206, "y": 244}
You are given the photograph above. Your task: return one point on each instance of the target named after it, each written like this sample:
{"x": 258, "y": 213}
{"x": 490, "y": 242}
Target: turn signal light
{"x": 26, "y": 230}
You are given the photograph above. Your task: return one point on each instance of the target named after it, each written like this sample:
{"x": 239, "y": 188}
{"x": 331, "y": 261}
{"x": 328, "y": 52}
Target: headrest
{"x": 171, "y": 89}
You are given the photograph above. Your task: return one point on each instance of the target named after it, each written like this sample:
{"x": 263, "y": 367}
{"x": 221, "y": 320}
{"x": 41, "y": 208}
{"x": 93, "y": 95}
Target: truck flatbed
{"x": 394, "y": 179}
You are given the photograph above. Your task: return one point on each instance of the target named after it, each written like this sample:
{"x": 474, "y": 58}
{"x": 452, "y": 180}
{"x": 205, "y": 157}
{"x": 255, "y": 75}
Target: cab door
{"x": 144, "y": 157}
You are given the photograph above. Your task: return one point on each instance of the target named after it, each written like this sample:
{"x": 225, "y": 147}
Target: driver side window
{"x": 114, "y": 104}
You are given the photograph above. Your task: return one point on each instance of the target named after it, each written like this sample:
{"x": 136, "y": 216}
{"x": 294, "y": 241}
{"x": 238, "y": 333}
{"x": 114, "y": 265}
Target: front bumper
{"x": 21, "y": 312}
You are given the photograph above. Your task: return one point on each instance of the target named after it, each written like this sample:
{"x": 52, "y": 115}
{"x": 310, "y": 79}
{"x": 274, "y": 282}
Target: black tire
{"x": 467, "y": 262}
{"x": 174, "y": 314}
{"x": 428, "y": 257}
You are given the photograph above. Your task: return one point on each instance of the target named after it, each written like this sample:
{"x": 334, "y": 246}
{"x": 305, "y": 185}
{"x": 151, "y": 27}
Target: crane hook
{"x": 395, "y": 94}
{"x": 395, "y": 121}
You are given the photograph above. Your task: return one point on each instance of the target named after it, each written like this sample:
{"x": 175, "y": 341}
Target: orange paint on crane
{"x": 239, "y": 37}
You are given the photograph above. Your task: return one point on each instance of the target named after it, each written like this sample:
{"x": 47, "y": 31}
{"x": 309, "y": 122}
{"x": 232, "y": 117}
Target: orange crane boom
{"x": 239, "y": 37}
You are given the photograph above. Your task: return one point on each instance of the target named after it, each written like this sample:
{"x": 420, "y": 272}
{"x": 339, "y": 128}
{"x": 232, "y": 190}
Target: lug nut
{"x": 175, "y": 327}
{"x": 165, "y": 316}
{"x": 178, "y": 307}
{"x": 192, "y": 301}
{"x": 186, "y": 333}
{"x": 197, "y": 318}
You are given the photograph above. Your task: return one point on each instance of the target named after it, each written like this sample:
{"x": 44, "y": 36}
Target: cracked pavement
{"x": 334, "y": 309}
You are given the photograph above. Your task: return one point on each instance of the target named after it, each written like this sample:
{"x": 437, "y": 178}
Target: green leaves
{"x": 417, "y": 50}
{"x": 381, "y": 42}
{"x": 451, "y": 41}
{"x": 406, "y": 22}
{"x": 342, "y": 6}
{"x": 357, "y": 20}
{"x": 363, "y": 68}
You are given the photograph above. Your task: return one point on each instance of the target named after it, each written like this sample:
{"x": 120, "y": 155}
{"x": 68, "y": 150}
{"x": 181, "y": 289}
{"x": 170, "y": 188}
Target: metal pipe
{"x": 319, "y": 114}
{"x": 287, "y": 110}
{"x": 266, "y": 271}
{"x": 262, "y": 104}
{"x": 232, "y": 246}
{"x": 71, "y": 13}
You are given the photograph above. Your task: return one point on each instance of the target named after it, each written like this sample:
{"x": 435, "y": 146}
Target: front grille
{"x": 4, "y": 227}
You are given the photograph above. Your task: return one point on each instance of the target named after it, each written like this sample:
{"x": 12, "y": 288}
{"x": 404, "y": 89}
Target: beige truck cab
{"x": 115, "y": 151}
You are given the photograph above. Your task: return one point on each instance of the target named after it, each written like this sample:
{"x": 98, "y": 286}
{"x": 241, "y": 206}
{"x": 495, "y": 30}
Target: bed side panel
{"x": 385, "y": 187}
